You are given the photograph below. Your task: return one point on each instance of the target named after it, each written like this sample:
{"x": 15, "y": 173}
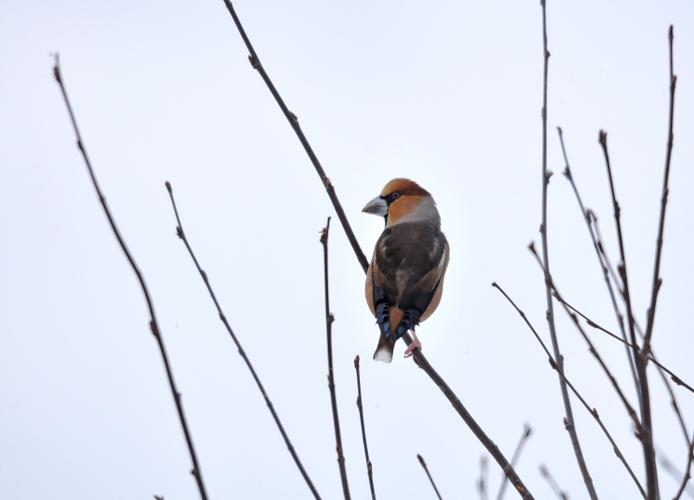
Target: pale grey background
{"x": 447, "y": 93}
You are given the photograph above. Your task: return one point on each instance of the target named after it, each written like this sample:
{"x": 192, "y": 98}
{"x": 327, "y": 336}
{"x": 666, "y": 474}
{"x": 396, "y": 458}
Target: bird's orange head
{"x": 402, "y": 200}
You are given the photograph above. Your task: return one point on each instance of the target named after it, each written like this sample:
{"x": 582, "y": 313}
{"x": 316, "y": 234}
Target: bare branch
{"x": 329, "y": 319}
{"x": 360, "y": 405}
{"x": 593, "y": 412}
{"x": 182, "y": 235}
{"x": 418, "y": 357}
{"x": 153, "y": 324}
{"x": 570, "y": 424}
{"x": 608, "y": 271}
{"x": 588, "y": 216}
{"x": 657, "y": 281}
{"x": 641, "y": 360}
{"x": 688, "y": 474}
{"x": 433, "y": 484}
{"x": 668, "y": 466}
{"x": 527, "y": 430}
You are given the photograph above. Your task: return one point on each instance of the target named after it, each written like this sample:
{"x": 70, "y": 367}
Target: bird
{"x": 404, "y": 280}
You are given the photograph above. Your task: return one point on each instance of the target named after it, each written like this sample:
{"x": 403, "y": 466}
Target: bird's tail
{"x": 384, "y": 349}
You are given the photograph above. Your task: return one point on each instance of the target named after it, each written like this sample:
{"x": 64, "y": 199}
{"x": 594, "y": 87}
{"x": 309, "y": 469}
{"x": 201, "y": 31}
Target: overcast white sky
{"x": 447, "y": 93}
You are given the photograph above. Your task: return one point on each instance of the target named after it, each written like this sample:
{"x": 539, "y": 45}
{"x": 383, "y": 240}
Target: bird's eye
{"x": 395, "y": 196}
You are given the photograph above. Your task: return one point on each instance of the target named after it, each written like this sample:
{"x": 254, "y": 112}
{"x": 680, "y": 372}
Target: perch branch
{"x": 418, "y": 357}
{"x": 153, "y": 324}
{"x": 360, "y": 406}
{"x": 329, "y": 319}
{"x": 294, "y": 122}
{"x": 182, "y": 235}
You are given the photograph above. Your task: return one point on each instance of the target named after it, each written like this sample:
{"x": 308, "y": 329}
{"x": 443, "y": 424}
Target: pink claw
{"x": 414, "y": 345}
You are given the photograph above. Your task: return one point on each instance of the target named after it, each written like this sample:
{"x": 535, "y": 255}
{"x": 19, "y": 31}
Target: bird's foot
{"x": 414, "y": 345}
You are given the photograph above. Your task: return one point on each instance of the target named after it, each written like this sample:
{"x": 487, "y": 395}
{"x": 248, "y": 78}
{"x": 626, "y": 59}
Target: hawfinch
{"x": 405, "y": 278}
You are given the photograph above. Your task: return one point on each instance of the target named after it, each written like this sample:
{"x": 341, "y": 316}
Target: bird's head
{"x": 403, "y": 200}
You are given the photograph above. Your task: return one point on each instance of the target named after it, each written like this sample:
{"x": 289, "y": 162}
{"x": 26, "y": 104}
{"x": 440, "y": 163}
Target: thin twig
{"x": 641, "y": 360}
{"x": 329, "y": 319}
{"x": 360, "y": 406}
{"x": 587, "y": 215}
{"x": 657, "y": 280}
{"x": 651, "y": 470}
{"x": 592, "y": 411}
{"x": 544, "y": 471}
{"x": 527, "y": 430}
{"x": 607, "y": 262}
{"x": 153, "y": 324}
{"x": 424, "y": 466}
{"x": 569, "y": 418}
{"x": 418, "y": 357}
{"x": 182, "y": 235}
{"x": 688, "y": 474}
{"x": 670, "y": 468}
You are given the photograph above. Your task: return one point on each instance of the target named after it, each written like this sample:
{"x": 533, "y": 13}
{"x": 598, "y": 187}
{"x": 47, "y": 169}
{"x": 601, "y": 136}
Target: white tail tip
{"x": 383, "y": 354}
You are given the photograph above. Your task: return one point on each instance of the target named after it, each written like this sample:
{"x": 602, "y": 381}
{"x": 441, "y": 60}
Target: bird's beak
{"x": 377, "y": 206}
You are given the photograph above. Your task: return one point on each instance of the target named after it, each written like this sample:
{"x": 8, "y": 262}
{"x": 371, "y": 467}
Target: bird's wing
{"x": 409, "y": 262}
